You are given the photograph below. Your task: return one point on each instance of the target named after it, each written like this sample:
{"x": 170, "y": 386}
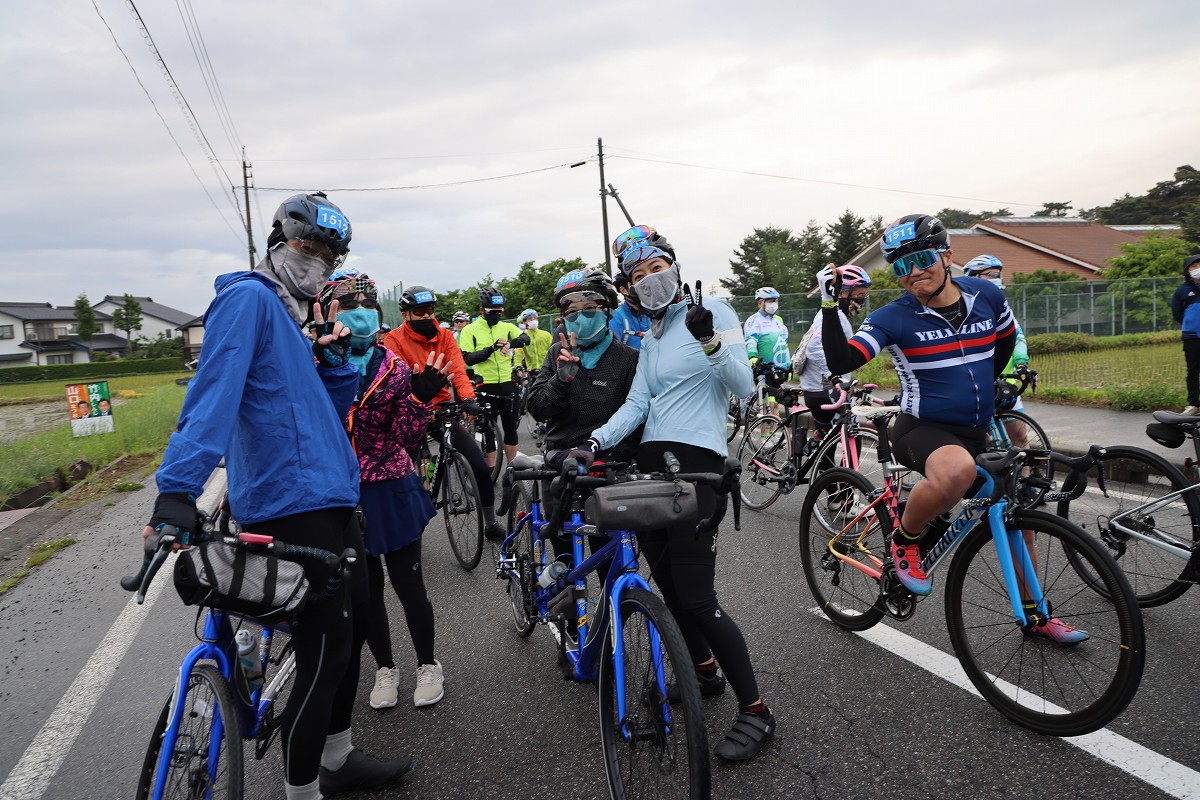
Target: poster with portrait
{"x": 90, "y": 408}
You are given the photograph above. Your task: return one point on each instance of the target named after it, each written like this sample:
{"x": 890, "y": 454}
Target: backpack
{"x": 801, "y": 356}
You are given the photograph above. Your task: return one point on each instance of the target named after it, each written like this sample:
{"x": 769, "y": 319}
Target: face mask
{"x": 363, "y": 324}
{"x": 298, "y": 278}
{"x": 1195, "y": 273}
{"x": 770, "y": 308}
{"x": 996, "y": 282}
{"x": 532, "y": 325}
{"x": 588, "y": 327}
{"x": 849, "y": 306}
{"x": 426, "y": 327}
{"x": 493, "y": 317}
{"x": 659, "y": 289}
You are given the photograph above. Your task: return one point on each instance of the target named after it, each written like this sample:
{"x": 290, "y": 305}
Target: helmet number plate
{"x": 328, "y": 218}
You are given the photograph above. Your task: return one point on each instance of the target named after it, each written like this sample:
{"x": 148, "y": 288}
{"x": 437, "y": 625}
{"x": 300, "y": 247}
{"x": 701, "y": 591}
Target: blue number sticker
{"x": 497, "y": 299}
{"x": 423, "y": 297}
{"x": 900, "y": 233}
{"x": 571, "y": 277}
{"x": 328, "y": 218}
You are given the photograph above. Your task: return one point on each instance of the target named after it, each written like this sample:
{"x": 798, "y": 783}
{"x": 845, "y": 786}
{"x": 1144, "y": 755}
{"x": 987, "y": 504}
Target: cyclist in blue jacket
{"x": 629, "y": 323}
{"x": 271, "y": 402}
{"x": 689, "y": 364}
{"x": 1186, "y": 311}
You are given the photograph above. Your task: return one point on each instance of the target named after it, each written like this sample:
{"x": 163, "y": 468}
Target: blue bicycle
{"x": 651, "y": 719}
{"x": 195, "y": 750}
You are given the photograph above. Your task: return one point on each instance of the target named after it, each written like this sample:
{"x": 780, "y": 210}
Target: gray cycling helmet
{"x": 313, "y": 218}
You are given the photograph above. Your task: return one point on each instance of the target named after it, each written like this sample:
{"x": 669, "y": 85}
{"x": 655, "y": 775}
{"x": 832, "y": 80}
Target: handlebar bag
{"x": 643, "y": 506}
{"x": 221, "y": 575}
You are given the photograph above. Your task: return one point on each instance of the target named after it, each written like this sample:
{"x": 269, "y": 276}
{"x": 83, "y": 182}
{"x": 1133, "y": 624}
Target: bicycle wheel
{"x": 1134, "y": 477}
{"x": 842, "y": 589}
{"x": 657, "y": 749}
{"x": 765, "y": 455}
{"x": 733, "y": 418}
{"x": 1018, "y": 429}
{"x": 206, "y": 757}
{"x": 520, "y": 584}
{"x": 1047, "y": 687}
{"x": 462, "y": 511}
{"x": 865, "y": 442}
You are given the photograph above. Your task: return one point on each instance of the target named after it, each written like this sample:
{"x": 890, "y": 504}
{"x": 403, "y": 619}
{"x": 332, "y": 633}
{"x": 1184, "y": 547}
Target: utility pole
{"x": 612, "y": 191}
{"x": 604, "y": 207}
{"x": 246, "y": 176}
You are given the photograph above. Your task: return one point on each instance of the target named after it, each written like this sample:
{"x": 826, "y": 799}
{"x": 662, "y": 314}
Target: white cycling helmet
{"x": 766, "y": 293}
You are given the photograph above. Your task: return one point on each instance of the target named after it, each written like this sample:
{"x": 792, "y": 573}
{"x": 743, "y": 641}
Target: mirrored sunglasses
{"x": 922, "y": 260}
{"x": 635, "y": 235}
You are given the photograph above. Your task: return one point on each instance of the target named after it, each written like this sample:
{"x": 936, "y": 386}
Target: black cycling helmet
{"x": 912, "y": 233}
{"x": 585, "y": 284}
{"x": 313, "y": 218}
{"x": 620, "y": 279}
{"x": 415, "y": 297}
{"x": 490, "y": 297}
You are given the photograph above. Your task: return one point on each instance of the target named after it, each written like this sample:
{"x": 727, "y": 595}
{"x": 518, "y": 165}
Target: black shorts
{"x": 913, "y": 440}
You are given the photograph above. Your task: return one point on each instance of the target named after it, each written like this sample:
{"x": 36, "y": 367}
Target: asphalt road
{"x": 855, "y": 719}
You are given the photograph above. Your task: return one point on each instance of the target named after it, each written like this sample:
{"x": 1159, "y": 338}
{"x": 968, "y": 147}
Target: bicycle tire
{"x": 185, "y": 779}
{"x": 764, "y": 453}
{"x": 1035, "y": 439}
{"x": 649, "y": 759}
{"x": 462, "y": 511}
{"x": 845, "y": 594}
{"x": 520, "y": 585}
{"x": 1030, "y": 678}
{"x": 733, "y": 418}
{"x": 1157, "y": 577}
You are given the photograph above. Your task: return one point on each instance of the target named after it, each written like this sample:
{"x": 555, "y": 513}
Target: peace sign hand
{"x": 333, "y": 338}
{"x": 428, "y": 382}
{"x": 699, "y": 320}
{"x": 568, "y": 362}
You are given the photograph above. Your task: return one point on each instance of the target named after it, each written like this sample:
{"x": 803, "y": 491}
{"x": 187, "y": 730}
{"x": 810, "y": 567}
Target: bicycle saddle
{"x": 1173, "y": 418}
{"x": 523, "y": 461}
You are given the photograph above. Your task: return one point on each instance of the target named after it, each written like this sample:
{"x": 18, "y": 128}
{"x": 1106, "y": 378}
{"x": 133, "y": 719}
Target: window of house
{"x": 6, "y": 331}
{"x": 59, "y": 359}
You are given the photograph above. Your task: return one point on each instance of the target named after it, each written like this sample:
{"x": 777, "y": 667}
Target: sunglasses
{"x": 348, "y": 302}
{"x": 573, "y": 314}
{"x": 635, "y": 235}
{"x": 922, "y": 260}
{"x": 423, "y": 311}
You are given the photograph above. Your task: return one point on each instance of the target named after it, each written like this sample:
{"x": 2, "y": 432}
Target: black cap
{"x": 1187, "y": 262}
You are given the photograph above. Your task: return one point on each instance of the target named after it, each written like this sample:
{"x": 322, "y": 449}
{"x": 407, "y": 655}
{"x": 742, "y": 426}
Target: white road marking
{"x": 1124, "y": 754}
{"x": 48, "y": 750}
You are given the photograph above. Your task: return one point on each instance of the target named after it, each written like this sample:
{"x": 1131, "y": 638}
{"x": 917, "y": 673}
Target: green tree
{"x": 957, "y": 218}
{"x": 1168, "y": 202}
{"x": 846, "y": 236}
{"x": 128, "y": 317}
{"x": 85, "y": 322}
{"x": 1044, "y": 276}
{"x": 815, "y": 255}
{"x": 533, "y": 286}
{"x": 1053, "y": 209}
{"x": 1191, "y": 226}
{"x": 1154, "y": 256}
{"x": 749, "y": 263}
{"x": 162, "y": 346}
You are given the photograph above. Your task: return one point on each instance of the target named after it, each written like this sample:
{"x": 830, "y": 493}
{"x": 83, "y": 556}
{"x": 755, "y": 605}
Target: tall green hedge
{"x": 107, "y": 369}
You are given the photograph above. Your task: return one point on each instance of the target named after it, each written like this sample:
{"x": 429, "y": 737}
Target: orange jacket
{"x": 415, "y": 349}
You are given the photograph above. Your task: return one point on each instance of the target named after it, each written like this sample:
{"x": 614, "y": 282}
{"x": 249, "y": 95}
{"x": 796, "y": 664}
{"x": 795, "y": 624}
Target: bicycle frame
{"x": 1157, "y": 538}
{"x": 803, "y": 465}
{"x": 621, "y": 552}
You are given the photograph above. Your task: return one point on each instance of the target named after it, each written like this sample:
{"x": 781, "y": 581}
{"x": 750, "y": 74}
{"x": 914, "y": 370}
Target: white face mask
{"x": 997, "y": 281}
{"x": 770, "y": 308}
{"x": 532, "y": 325}
{"x": 1195, "y": 273}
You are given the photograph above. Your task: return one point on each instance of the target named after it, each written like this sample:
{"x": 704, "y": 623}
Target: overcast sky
{"x": 1014, "y": 105}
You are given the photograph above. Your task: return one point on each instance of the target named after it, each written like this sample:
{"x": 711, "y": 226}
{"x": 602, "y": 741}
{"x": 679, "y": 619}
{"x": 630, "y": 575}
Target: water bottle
{"x": 248, "y": 659}
{"x": 430, "y": 471}
{"x": 553, "y": 571}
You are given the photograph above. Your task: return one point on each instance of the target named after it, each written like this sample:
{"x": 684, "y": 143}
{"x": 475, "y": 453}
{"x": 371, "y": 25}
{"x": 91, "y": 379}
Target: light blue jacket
{"x": 681, "y": 394}
{"x": 259, "y": 399}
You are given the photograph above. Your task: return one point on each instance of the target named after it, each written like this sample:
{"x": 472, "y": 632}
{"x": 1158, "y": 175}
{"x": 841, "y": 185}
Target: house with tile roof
{"x": 38, "y": 334}
{"x": 156, "y": 317}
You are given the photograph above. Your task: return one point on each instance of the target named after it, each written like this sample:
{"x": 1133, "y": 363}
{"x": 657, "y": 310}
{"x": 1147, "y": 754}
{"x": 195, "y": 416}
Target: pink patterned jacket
{"x": 386, "y": 419}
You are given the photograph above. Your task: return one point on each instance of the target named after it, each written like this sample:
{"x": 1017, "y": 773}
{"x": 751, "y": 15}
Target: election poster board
{"x": 90, "y": 408}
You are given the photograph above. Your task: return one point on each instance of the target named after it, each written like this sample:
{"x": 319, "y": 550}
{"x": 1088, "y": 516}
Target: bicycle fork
{"x": 617, "y": 629}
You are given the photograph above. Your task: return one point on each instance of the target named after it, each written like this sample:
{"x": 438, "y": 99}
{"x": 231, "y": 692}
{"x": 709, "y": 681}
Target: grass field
{"x": 53, "y": 390}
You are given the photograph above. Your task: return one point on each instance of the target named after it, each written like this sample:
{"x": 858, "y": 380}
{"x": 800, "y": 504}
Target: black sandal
{"x": 747, "y": 737}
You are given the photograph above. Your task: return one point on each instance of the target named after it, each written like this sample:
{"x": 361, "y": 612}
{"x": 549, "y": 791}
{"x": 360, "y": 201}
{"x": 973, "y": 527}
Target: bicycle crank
{"x": 894, "y": 600}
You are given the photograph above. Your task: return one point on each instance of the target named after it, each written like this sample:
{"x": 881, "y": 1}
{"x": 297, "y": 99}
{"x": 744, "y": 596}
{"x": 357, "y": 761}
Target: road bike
{"x": 768, "y": 380}
{"x": 537, "y": 429}
{"x": 451, "y": 484}
{"x": 1144, "y": 510}
{"x": 1013, "y": 571}
{"x": 485, "y": 428}
{"x": 652, "y": 728}
{"x": 1012, "y": 428}
{"x": 195, "y": 749}
{"x": 777, "y": 455}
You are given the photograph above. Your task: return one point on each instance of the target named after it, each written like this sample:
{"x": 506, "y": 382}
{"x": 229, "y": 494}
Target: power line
{"x": 826, "y": 183}
{"x": 424, "y": 185}
{"x": 410, "y": 158}
{"x": 154, "y": 105}
{"x": 192, "y": 28}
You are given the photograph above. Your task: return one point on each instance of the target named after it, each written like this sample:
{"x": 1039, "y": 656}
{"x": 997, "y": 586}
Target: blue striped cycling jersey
{"x": 945, "y": 375}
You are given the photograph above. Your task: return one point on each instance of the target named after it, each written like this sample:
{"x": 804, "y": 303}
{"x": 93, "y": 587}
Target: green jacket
{"x": 478, "y": 335}
{"x": 535, "y": 352}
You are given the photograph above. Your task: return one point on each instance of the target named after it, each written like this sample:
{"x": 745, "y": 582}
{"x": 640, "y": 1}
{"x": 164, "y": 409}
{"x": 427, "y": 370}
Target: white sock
{"x": 337, "y": 750}
{"x": 309, "y": 791}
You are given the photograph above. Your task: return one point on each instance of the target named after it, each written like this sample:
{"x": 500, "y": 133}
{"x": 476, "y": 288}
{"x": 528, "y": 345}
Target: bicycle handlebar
{"x": 1028, "y": 378}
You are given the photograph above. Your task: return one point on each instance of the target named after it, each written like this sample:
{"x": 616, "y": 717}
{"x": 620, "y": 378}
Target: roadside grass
{"x": 51, "y": 391}
{"x": 38, "y": 553}
{"x": 142, "y": 428}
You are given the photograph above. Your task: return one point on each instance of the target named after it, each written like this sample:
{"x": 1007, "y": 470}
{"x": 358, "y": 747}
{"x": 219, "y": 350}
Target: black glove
{"x": 335, "y": 352}
{"x": 472, "y": 408}
{"x": 566, "y": 369}
{"x": 699, "y": 321}
{"x": 520, "y": 341}
{"x": 584, "y": 457}
{"x": 175, "y": 508}
{"x": 427, "y": 383}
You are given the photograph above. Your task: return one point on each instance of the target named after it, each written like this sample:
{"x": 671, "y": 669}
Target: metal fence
{"x": 1099, "y": 308}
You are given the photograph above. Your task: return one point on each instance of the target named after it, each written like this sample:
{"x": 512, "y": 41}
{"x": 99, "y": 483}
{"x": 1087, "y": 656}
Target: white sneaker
{"x": 387, "y": 683}
{"x": 1193, "y": 411}
{"x": 430, "y": 683}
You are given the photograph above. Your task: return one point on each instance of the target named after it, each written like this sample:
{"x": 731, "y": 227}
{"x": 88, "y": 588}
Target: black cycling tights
{"x": 684, "y": 566}
{"x": 327, "y": 644}
{"x": 404, "y": 570}
{"x": 503, "y": 398}
{"x": 466, "y": 444}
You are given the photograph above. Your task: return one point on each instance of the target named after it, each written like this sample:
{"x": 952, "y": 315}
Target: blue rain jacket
{"x": 259, "y": 400}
